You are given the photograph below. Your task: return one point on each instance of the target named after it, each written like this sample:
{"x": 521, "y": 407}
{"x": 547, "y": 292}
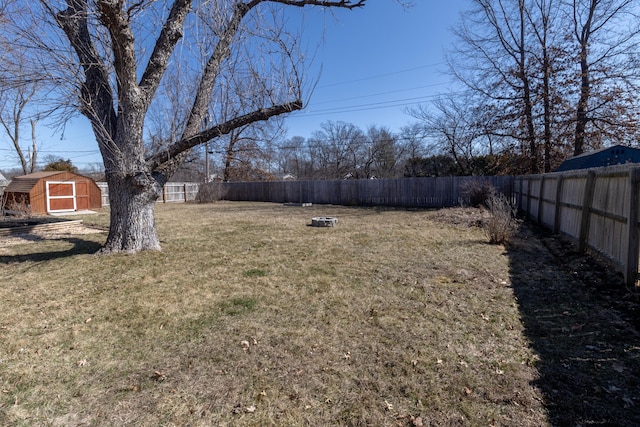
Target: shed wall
{"x": 34, "y": 190}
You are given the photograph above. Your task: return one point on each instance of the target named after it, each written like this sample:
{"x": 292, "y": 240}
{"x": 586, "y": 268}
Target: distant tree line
{"x": 340, "y": 150}
{"x": 543, "y": 80}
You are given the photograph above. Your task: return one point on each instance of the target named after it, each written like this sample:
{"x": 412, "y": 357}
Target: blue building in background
{"x": 610, "y": 156}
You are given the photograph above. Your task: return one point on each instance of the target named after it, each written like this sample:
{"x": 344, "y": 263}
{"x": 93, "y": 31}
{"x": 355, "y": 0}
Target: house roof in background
{"x": 609, "y": 156}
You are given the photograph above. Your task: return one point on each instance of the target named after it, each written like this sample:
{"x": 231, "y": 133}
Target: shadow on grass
{"x": 589, "y": 353}
{"x": 79, "y": 247}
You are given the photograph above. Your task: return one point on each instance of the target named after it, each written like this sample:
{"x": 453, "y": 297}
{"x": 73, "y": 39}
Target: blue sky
{"x": 374, "y": 62}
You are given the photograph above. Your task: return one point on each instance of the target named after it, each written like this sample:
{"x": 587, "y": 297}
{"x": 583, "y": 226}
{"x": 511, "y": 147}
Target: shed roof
{"x": 24, "y": 183}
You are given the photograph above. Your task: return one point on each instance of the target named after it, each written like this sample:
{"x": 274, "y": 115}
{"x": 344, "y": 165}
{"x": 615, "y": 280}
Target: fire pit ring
{"x": 324, "y": 221}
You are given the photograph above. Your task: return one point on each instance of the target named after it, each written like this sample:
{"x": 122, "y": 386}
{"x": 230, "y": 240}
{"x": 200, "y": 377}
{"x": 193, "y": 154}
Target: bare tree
{"x": 120, "y": 52}
{"x": 19, "y": 107}
{"x": 460, "y": 133}
{"x": 14, "y": 115}
{"x": 556, "y": 75}
{"x": 384, "y": 151}
{"x": 493, "y": 59}
{"x": 606, "y": 34}
{"x": 339, "y": 148}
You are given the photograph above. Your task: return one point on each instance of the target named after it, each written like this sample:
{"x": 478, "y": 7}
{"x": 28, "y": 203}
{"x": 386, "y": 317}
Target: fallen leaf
{"x": 158, "y": 376}
{"x": 251, "y": 409}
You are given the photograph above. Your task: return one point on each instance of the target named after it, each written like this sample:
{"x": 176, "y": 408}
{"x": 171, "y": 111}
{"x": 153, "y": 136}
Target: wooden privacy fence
{"x": 596, "y": 208}
{"x": 173, "y": 192}
{"x": 405, "y": 192}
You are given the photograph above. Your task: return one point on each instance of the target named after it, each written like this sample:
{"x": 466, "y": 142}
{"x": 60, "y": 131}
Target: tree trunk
{"x": 132, "y": 223}
{"x": 581, "y": 112}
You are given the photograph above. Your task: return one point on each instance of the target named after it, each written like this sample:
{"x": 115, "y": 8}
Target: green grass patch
{"x": 254, "y": 272}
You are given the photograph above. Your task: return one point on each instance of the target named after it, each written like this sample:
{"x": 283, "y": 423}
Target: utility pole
{"x": 207, "y": 171}
{"x": 206, "y": 160}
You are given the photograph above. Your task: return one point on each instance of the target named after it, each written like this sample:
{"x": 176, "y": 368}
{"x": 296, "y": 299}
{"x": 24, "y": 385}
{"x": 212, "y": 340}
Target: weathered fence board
{"x": 596, "y": 208}
{"x": 173, "y": 192}
{"x": 406, "y": 192}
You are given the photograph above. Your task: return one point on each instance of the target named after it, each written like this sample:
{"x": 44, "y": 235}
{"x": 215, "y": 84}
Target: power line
{"x": 380, "y": 93}
{"x": 364, "y": 107}
{"x": 393, "y": 73}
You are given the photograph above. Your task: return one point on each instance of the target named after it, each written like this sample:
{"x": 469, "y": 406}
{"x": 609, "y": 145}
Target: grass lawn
{"x": 249, "y": 316}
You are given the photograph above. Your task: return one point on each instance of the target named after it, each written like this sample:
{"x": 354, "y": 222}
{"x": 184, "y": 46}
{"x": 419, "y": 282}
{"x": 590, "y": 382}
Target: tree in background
{"x": 548, "y": 78}
{"x": 384, "y": 153}
{"x": 338, "y": 150}
{"x": 606, "y": 36}
{"x": 60, "y": 165}
{"x": 111, "y": 57}
{"x": 14, "y": 115}
{"x": 493, "y": 60}
{"x": 19, "y": 106}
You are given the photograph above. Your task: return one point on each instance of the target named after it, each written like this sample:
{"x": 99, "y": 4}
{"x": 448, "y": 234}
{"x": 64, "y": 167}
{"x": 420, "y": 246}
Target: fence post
{"x": 631, "y": 272}
{"x": 558, "y": 217}
{"x": 586, "y": 210}
{"x": 541, "y": 201}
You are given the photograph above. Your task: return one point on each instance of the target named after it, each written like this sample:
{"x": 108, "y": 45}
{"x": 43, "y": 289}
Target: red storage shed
{"x": 52, "y": 192}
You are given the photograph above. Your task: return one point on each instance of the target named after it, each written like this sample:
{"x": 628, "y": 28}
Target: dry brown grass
{"x": 251, "y": 317}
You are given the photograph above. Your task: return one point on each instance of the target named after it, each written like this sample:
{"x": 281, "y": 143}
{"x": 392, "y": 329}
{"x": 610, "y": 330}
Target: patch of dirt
{"x": 39, "y": 235}
{"x": 595, "y": 273}
{"x": 471, "y": 217}
{"x": 10, "y": 221}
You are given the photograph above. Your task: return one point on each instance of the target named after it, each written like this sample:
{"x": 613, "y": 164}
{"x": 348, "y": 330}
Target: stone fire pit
{"x": 324, "y": 221}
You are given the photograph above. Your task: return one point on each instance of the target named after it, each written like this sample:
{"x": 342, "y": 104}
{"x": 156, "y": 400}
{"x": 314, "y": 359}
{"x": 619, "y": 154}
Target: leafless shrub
{"x": 210, "y": 192}
{"x": 476, "y": 193}
{"x": 501, "y": 223}
{"x": 18, "y": 207}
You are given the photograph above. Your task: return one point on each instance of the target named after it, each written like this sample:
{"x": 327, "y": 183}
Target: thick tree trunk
{"x": 132, "y": 224}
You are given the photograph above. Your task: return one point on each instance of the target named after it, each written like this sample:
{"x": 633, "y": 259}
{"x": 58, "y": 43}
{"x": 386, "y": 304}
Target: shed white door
{"x": 61, "y": 196}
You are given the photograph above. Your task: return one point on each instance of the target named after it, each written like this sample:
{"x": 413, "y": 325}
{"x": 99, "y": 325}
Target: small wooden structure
{"x": 52, "y": 192}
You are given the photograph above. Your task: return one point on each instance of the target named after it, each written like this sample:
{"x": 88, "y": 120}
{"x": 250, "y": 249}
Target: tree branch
{"x": 166, "y": 42}
{"x": 346, "y": 4}
{"x": 263, "y": 114}
{"x": 115, "y": 20}
{"x": 97, "y": 97}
